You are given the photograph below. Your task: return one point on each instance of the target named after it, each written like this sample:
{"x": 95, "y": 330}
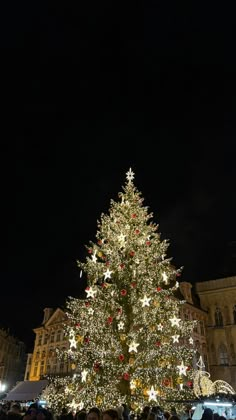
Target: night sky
{"x": 88, "y": 92}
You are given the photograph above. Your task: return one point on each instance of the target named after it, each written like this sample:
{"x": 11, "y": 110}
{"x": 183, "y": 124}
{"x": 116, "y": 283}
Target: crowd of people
{"x": 15, "y": 411}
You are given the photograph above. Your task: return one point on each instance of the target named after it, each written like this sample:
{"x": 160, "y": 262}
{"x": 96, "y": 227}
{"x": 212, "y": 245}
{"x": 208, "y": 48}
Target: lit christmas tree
{"x": 128, "y": 340}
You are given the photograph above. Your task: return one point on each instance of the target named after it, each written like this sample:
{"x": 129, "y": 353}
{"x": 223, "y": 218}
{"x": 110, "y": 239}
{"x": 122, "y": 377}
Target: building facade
{"x": 12, "y": 360}
{"x": 192, "y": 311}
{"x": 218, "y": 299}
{"x": 49, "y": 337}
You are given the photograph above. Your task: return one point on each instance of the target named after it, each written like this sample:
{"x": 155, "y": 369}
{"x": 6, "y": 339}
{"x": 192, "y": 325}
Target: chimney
{"x": 47, "y": 313}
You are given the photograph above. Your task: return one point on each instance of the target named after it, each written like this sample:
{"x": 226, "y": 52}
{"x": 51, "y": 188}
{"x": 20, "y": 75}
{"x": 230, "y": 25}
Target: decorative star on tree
{"x": 175, "y": 321}
{"x": 91, "y": 292}
{"x": 190, "y": 340}
{"x": 121, "y": 239}
{"x": 107, "y": 274}
{"x": 175, "y": 338}
{"x": 84, "y": 374}
{"x": 145, "y": 301}
{"x": 165, "y": 277}
{"x": 152, "y": 394}
{"x": 130, "y": 175}
{"x": 73, "y": 405}
{"x": 72, "y": 341}
{"x": 90, "y": 311}
{"x": 133, "y": 347}
{"x": 182, "y": 369}
{"x": 121, "y": 325}
{"x": 94, "y": 258}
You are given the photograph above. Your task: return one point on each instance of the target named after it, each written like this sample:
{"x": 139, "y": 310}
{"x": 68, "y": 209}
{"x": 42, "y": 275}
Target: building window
{"x": 35, "y": 368}
{"x": 52, "y": 338}
{"x": 45, "y": 339}
{"x": 40, "y": 340}
{"x": 218, "y": 318}
{"x": 186, "y": 316}
{"x": 223, "y": 355}
{"x": 42, "y": 367}
{"x": 202, "y": 328}
{"x": 58, "y": 335}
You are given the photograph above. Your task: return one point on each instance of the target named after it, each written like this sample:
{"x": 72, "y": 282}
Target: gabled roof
{"x": 57, "y": 317}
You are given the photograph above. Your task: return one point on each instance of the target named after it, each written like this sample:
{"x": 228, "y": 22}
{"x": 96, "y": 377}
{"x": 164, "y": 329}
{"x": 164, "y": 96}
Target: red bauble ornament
{"x": 133, "y": 284}
{"x": 86, "y": 340}
{"x": 99, "y": 242}
{"x": 96, "y": 367}
{"x": 133, "y": 216}
{"x": 87, "y": 304}
{"x": 148, "y": 243}
{"x": 123, "y": 292}
{"x": 77, "y": 325}
{"x": 189, "y": 384}
{"x": 122, "y": 265}
{"x": 166, "y": 382}
{"x": 90, "y": 251}
{"x": 126, "y": 376}
{"x": 119, "y": 310}
{"x": 103, "y": 285}
{"x": 188, "y": 368}
{"x": 131, "y": 253}
{"x": 158, "y": 343}
{"x": 159, "y": 289}
{"x": 137, "y": 231}
{"x": 109, "y": 320}
{"x": 107, "y": 263}
{"x": 121, "y": 357}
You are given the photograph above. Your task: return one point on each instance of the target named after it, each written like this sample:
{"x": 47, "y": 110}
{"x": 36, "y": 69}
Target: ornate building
{"x": 12, "y": 360}
{"x": 218, "y": 299}
{"x": 193, "y": 311}
{"x": 49, "y": 336}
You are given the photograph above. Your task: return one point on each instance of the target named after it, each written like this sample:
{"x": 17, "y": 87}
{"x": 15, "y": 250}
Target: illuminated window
{"x": 42, "y": 367}
{"x": 218, "y": 318}
{"x": 223, "y": 355}
{"x": 40, "y": 340}
{"x": 35, "y": 368}
{"x": 45, "y": 339}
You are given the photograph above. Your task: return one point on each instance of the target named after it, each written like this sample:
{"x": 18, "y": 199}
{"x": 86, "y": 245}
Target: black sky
{"x": 87, "y": 92}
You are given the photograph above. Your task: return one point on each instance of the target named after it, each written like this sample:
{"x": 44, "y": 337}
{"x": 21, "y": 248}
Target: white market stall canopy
{"x": 26, "y": 390}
